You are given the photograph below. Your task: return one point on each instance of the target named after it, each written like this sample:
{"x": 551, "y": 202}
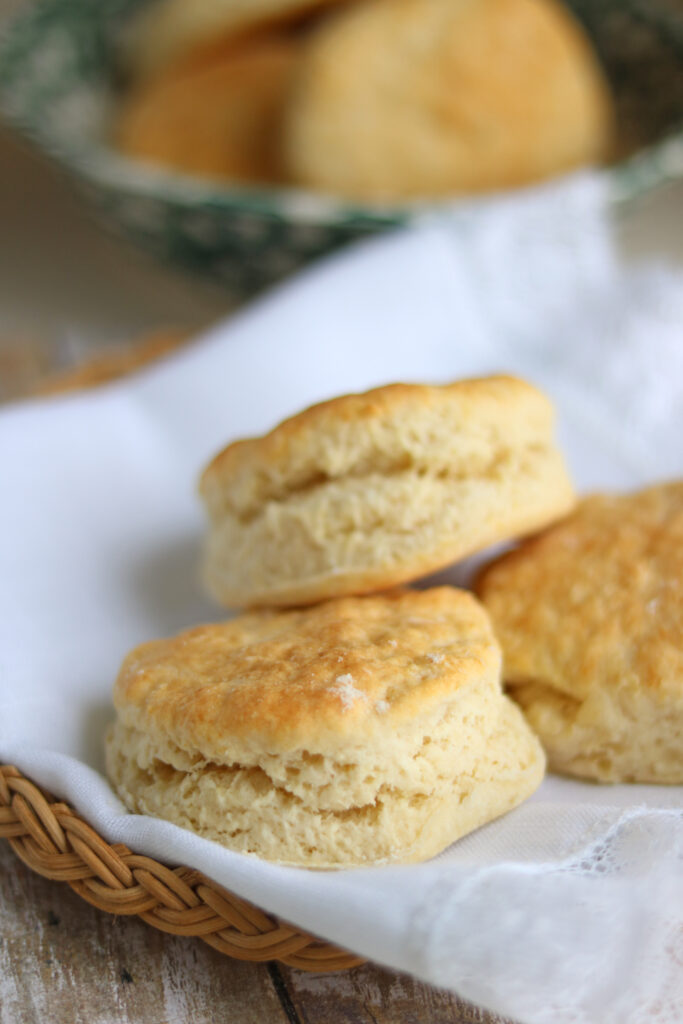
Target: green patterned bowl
{"x": 58, "y": 86}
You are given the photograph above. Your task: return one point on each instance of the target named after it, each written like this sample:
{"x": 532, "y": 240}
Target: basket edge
{"x": 53, "y": 840}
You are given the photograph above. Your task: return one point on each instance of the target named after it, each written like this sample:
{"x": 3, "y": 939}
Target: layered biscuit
{"x": 367, "y": 491}
{"x": 360, "y": 731}
{"x": 590, "y": 618}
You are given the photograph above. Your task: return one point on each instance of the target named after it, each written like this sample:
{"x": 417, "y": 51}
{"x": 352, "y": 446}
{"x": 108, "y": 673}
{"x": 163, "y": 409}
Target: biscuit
{"x": 590, "y": 618}
{"x": 168, "y": 30}
{"x": 219, "y": 117}
{"x": 412, "y": 98}
{"x": 367, "y": 491}
{"x": 360, "y": 731}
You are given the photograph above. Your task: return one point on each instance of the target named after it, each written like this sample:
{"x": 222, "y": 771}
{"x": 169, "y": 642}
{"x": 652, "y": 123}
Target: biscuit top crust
{"x": 337, "y": 674}
{"x": 464, "y": 428}
{"x": 597, "y": 600}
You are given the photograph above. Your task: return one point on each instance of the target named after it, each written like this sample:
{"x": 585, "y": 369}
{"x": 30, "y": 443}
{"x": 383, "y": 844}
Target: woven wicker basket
{"x": 53, "y": 840}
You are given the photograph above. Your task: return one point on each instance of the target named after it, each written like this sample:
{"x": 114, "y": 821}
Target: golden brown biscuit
{"x": 218, "y": 116}
{"x": 590, "y": 618}
{"x": 367, "y": 491}
{"x": 363, "y": 730}
{"x": 405, "y": 98}
{"x": 168, "y": 30}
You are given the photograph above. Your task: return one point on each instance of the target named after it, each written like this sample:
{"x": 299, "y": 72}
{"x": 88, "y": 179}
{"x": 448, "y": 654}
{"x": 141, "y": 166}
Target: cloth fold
{"x": 569, "y": 909}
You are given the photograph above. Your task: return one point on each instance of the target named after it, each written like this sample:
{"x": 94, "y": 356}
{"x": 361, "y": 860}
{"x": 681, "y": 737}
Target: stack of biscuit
{"x": 344, "y": 719}
{"x": 347, "y": 720}
{"x": 376, "y": 100}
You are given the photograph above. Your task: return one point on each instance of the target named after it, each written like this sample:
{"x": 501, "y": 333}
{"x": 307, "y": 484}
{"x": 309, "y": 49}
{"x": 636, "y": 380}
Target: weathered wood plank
{"x": 371, "y": 995}
{"x": 64, "y": 962}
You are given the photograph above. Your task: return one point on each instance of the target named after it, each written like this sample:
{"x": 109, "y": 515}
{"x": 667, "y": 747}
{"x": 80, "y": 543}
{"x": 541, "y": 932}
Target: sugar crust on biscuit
{"x": 397, "y": 99}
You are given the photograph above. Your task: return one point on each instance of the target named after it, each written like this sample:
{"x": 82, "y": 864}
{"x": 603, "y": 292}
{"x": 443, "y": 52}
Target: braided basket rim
{"x": 58, "y": 843}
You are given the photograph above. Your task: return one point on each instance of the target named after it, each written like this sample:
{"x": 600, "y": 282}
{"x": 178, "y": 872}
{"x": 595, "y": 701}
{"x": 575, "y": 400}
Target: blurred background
{"x": 131, "y": 217}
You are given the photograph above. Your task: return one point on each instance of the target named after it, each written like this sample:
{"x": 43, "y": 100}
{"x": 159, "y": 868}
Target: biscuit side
{"x": 475, "y": 763}
{"x": 373, "y": 533}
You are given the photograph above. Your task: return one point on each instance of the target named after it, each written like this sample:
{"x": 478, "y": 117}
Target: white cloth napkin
{"x": 569, "y": 908}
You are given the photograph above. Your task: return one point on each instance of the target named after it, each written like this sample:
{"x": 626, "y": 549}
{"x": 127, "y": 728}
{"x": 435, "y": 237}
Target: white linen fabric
{"x": 569, "y": 909}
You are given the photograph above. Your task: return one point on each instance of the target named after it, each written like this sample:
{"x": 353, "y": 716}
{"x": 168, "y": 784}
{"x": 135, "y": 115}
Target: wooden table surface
{"x": 63, "y": 962}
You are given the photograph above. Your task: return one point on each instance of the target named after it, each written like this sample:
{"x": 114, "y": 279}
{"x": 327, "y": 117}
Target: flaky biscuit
{"x": 410, "y": 98}
{"x": 166, "y": 31}
{"x": 218, "y": 117}
{"x": 363, "y": 730}
{"x": 590, "y": 618}
{"x": 366, "y": 491}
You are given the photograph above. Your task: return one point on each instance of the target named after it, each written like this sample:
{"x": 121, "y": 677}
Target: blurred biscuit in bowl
{"x": 408, "y": 98}
{"x": 167, "y": 30}
{"x": 215, "y": 114}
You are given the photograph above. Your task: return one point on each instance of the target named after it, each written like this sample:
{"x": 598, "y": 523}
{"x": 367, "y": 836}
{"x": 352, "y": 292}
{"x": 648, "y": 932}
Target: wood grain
{"x": 64, "y": 962}
{"x": 370, "y": 995}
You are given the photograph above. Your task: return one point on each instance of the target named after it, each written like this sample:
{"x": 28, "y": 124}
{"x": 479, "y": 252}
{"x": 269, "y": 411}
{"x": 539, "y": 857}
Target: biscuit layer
{"x": 367, "y": 491}
{"x": 590, "y": 619}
